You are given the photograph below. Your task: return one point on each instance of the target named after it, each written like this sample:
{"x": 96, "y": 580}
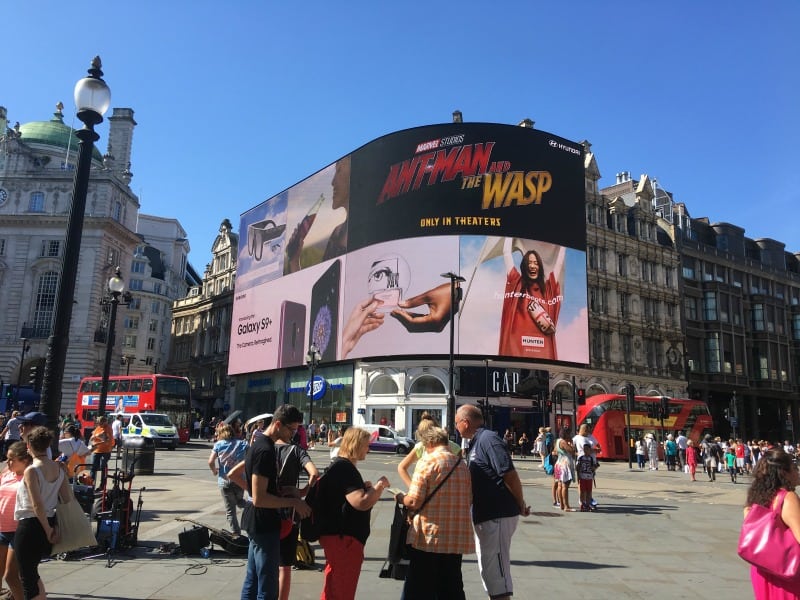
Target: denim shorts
{"x": 7, "y": 538}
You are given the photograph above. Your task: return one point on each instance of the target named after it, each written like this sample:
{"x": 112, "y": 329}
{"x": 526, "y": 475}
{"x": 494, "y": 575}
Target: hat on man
{"x": 35, "y": 418}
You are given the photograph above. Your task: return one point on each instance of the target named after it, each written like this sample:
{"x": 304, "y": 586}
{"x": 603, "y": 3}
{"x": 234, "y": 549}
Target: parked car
{"x": 386, "y": 439}
{"x": 155, "y": 426}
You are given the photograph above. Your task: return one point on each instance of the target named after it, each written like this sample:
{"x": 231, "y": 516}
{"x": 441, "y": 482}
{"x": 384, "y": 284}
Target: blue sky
{"x": 237, "y": 101}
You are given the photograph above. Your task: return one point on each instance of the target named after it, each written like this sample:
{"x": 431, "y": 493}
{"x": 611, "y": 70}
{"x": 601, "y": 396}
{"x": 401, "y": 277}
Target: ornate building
{"x": 37, "y": 162}
{"x": 201, "y": 326}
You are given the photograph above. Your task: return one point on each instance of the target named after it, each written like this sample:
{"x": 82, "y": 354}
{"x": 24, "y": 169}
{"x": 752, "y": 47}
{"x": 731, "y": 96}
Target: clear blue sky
{"x": 236, "y": 101}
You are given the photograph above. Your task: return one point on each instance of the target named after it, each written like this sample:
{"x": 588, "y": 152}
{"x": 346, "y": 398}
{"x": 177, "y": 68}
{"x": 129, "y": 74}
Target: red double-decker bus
{"x": 605, "y": 415}
{"x": 156, "y": 393}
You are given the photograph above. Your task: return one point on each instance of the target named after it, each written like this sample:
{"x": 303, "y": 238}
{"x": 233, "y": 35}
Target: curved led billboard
{"x": 351, "y": 258}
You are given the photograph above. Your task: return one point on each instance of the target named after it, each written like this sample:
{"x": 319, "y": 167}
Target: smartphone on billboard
{"x": 292, "y": 334}
{"x": 325, "y": 312}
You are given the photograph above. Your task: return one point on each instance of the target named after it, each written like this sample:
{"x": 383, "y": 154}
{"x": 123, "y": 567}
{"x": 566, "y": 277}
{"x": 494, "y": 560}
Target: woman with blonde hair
{"x": 346, "y": 501}
{"x": 426, "y": 421}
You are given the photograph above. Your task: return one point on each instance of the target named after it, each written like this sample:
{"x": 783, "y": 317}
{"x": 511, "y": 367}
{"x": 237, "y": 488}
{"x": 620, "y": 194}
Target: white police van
{"x": 156, "y": 426}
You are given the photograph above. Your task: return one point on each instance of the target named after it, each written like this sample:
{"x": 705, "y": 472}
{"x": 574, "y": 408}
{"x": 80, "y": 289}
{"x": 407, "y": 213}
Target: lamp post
{"x": 117, "y": 296}
{"x": 455, "y": 298}
{"x": 312, "y": 360}
{"x": 25, "y": 347}
{"x": 92, "y": 99}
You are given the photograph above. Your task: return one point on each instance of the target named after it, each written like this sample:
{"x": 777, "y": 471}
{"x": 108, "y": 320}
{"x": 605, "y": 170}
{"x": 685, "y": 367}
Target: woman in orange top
{"x": 102, "y": 442}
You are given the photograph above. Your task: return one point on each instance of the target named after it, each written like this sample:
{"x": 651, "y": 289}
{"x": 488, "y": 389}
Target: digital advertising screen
{"x": 351, "y": 258}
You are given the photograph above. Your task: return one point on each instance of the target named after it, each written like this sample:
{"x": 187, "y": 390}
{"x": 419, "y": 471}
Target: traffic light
{"x": 630, "y": 394}
{"x": 33, "y": 375}
{"x": 581, "y": 396}
{"x": 9, "y": 391}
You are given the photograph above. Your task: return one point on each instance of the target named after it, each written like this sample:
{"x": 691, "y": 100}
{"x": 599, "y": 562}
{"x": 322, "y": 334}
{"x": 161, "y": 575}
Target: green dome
{"x": 53, "y": 133}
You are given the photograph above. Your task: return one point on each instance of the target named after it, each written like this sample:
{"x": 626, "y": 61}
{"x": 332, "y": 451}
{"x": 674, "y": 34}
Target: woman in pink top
{"x": 17, "y": 461}
{"x": 691, "y": 458}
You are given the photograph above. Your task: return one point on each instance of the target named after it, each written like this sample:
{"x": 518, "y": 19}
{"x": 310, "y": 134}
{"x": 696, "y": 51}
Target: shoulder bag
{"x": 767, "y": 543}
{"x": 74, "y": 529}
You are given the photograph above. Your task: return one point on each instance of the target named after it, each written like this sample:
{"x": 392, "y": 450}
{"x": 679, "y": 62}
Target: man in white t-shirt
{"x": 682, "y": 440}
{"x": 583, "y": 438}
{"x": 116, "y": 432}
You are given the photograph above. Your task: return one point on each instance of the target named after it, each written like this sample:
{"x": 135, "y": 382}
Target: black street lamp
{"x": 455, "y": 298}
{"x": 313, "y": 358}
{"x": 117, "y": 296}
{"x": 92, "y": 99}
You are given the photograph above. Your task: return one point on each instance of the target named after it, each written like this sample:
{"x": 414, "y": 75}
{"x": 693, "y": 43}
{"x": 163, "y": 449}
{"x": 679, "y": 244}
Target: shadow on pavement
{"x": 566, "y": 564}
{"x": 635, "y": 509}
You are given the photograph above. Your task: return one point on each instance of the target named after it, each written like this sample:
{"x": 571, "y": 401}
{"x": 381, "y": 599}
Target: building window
{"x": 129, "y": 341}
{"x": 45, "y": 301}
{"x": 712, "y": 353}
{"x": 592, "y": 256}
{"x": 37, "y": 202}
{"x": 154, "y": 325}
{"x": 627, "y": 347}
{"x": 137, "y": 266}
{"x": 117, "y": 212}
{"x": 758, "y": 317}
{"x": 710, "y": 306}
{"x": 624, "y": 304}
{"x": 2, "y": 247}
{"x": 689, "y": 268}
{"x": 155, "y": 307}
{"x": 669, "y": 276}
{"x": 157, "y": 288}
{"x": 131, "y": 323}
{"x": 796, "y": 327}
{"x": 136, "y": 303}
{"x": 622, "y": 263}
{"x": 690, "y": 308}
{"x": 151, "y": 343}
{"x": 136, "y": 284}
{"x": 50, "y": 248}
{"x": 427, "y": 384}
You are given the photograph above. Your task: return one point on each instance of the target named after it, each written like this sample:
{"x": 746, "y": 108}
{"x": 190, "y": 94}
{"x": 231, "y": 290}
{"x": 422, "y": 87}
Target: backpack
{"x": 304, "y": 555}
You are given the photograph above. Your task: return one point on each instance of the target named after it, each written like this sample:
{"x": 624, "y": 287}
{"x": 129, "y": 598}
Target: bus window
{"x": 96, "y": 386}
{"x": 136, "y": 385}
{"x": 112, "y": 386}
{"x": 123, "y": 385}
{"x": 147, "y": 385}
{"x": 87, "y": 386}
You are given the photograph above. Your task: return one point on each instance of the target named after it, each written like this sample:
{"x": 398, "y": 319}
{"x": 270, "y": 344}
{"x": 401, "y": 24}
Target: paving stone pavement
{"x": 655, "y": 534}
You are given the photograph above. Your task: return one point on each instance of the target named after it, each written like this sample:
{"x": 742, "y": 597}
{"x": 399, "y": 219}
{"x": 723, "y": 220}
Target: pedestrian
{"x": 72, "y": 450}
{"x": 775, "y": 478}
{"x": 586, "y": 465}
{"x": 691, "y": 458}
{"x": 538, "y": 445}
{"x": 10, "y": 432}
{"x": 652, "y": 451}
{"x": 226, "y": 454}
{"x": 441, "y": 531}
{"x": 196, "y": 428}
{"x": 682, "y": 442}
{"x": 35, "y": 511}
{"x": 671, "y": 452}
{"x": 564, "y": 469}
{"x": 323, "y": 432}
{"x": 641, "y": 453}
{"x": 497, "y": 500}
{"x": 10, "y": 480}
{"x": 730, "y": 462}
{"x": 426, "y": 421}
{"x": 292, "y": 459}
{"x": 524, "y": 445}
{"x": 102, "y": 440}
{"x": 346, "y": 501}
{"x": 116, "y": 431}
{"x": 710, "y": 451}
{"x": 258, "y": 475}
{"x": 311, "y": 430}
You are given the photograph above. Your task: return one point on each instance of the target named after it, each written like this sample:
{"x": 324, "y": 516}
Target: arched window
{"x": 45, "y": 301}
{"x": 427, "y": 384}
{"x": 383, "y": 385}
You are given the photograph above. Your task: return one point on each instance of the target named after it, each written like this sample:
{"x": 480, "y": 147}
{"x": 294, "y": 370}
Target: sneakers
{"x": 557, "y": 504}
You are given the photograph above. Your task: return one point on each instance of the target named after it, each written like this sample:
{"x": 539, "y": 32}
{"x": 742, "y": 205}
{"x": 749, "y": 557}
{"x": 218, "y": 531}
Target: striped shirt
{"x": 445, "y": 524}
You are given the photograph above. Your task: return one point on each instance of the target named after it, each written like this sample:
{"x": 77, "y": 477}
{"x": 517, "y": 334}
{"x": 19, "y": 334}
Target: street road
{"x": 656, "y": 534}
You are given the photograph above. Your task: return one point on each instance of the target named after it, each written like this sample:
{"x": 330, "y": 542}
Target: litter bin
{"x": 140, "y": 454}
